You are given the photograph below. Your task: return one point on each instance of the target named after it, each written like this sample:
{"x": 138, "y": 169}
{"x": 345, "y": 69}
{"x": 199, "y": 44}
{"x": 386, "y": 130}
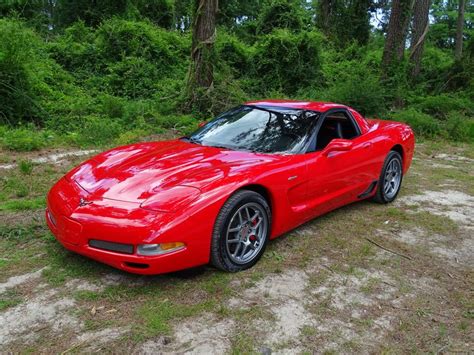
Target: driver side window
{"x": 335, "y": 125}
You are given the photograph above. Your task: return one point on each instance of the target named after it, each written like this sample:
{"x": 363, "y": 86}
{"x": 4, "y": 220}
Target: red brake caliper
{"x": 253, "y": 238}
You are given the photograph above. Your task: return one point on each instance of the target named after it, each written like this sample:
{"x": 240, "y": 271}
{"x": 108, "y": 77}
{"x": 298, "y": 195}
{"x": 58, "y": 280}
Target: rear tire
{"x": 241, "y": 232}
{"x": 390, "y": 179}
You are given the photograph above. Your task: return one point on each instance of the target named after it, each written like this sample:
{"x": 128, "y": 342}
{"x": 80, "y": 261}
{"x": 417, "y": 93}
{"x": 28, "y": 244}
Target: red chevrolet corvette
{"x": 219, "y": 195}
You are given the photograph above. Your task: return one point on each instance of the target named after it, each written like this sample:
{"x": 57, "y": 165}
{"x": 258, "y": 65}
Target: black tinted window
{"x": 266, "y": 130}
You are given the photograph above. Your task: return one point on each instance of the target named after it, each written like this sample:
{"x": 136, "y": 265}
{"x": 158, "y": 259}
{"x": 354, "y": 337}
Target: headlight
{"x": 172, "y": 199}
{"x": 158, "y": 249}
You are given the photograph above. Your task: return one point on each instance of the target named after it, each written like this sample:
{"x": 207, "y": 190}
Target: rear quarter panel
{"x": 390, "y": 134}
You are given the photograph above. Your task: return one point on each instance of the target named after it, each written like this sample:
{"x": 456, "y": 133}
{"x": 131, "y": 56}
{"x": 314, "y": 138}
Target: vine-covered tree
{"x": 201, "y": 72}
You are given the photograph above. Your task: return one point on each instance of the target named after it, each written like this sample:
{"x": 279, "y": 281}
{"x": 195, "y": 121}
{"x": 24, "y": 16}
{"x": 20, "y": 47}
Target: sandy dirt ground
{"x": 365, "y": 278}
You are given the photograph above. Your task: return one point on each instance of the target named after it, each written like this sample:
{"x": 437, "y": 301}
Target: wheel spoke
{"x": 248, "y": 215}
{"x": 259, "y": 222}
{"x": 254, "y": 216}
{"x": 236, "y": 251}
{"x": 244, "y": 249}
{"x": 240, "y": 218}
{"x": 233, "y": 230}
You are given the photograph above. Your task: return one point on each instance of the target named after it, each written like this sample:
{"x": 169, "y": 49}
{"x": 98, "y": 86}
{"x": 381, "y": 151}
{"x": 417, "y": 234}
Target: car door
{"x": 337, "y": 165}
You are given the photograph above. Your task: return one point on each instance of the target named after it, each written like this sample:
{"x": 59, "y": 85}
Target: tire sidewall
{"x": 392, "y": 155}
{"x": 248, "y": 196}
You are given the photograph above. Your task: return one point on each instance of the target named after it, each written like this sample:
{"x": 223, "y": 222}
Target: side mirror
{"x": 338, "y": 145}
{"x": 202, "y": 124}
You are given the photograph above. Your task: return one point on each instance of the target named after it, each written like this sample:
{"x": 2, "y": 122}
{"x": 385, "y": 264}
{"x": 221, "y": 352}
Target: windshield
{"x": 264, "y": 130}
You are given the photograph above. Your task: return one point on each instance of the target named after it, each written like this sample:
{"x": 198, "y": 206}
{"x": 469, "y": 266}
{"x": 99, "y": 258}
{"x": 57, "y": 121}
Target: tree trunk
{"x": 396, "y": 33}
{"x": 324, "y": 14}
{"x": 420, "y": 29}
{"x": 201, "y": 73}
{"x": 459, "y": 29}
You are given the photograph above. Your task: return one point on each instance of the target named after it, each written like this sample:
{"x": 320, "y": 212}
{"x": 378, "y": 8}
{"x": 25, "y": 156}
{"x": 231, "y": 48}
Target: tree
{"x": 281, "y": 14}
{"x": 396, "y": 34}
{"x": 420, "y": 29}
{"x": 459, "y": 29}
{"x": 201, "y": 72}
{"x": 324, "y": 12}
{"x": 344, "y": 21}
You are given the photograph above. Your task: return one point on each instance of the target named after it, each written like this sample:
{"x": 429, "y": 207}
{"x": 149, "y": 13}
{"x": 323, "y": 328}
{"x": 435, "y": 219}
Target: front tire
{"x": 241, "y": 232}
{"x": 390, "y": 179}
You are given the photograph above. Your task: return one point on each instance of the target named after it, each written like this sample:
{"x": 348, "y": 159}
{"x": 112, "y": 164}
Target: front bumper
{"x": 75, "y": 225}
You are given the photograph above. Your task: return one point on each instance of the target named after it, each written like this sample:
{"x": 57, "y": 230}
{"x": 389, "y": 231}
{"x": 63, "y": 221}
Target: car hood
{"x": 136, "y": 172}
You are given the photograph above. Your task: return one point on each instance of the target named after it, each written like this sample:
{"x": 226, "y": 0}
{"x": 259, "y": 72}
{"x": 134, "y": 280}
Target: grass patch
{"x": 23, "y": 205}
{"x": 159, "y": 314}
{"x": 9, "y": 299}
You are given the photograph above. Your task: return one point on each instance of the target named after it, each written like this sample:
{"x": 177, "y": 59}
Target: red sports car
{"x": 218, "y": 195}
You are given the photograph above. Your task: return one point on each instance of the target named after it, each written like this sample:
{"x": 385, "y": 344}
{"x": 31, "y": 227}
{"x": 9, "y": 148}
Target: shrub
{"x": 76, "y": 52}
{"x": 26, "y": 167}
{"x": 97, "y": 130}
{"x": 23, "y": 139}
{"x": 459, "y": 127}
{"x": 132, "y": 78}
{"x": 234, "y": 53}
{"x": 423, "y": 124}
{"x": 284, "y": 14}
{"x": 354, "y": 82}
{"x": 440, "y": 105}
{"x": 24, "y": 66}
{"x": 286, "y": 61}
{"x": 117, "y": 39}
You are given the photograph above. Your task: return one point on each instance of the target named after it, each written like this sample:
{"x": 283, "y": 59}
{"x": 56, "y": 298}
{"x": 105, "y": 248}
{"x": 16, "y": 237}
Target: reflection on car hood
{"x": 133, "y": 173}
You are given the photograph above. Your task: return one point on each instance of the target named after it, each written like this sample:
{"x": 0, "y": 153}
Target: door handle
{"x": 367, "y": 145}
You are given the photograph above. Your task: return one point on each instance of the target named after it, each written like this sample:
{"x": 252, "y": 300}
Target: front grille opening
{"x": 111, "y": 246}
{"x": 137, "y": 265}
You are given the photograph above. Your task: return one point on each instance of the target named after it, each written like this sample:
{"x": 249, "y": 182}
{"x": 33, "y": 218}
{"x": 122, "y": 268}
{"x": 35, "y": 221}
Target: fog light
{"x": 158, "y": 249}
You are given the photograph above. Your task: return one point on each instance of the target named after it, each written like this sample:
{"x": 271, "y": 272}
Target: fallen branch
{"x": 389, "y": 250}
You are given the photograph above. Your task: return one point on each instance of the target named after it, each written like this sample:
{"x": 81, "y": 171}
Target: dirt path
{"x": 322, "y": 288}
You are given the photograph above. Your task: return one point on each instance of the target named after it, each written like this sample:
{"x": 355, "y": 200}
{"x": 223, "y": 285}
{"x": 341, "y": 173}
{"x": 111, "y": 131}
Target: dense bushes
{"x": 456, "y": 126}
{"x": 122, "y": 79}
{"x": 286, "y": 61}
{"x": 25, "y": 71}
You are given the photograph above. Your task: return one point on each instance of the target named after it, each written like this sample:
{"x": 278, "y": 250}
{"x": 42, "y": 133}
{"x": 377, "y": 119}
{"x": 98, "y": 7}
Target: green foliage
{"x": 440, "y": 105}
{"x": 420, "y": 122}
{"x": 24, "y": 66}
{"x": 233, "y": 52}
{"x": 113, "y": 72}
{"x": 26, "y": 167}
{"x": 456, "y": 127}
{"x": 283, "y": 14}
{"x": 23, "y": 205}
{"x": 97, "y": 129}
{"x": 23, "y": 139}
{"x": 354, "y": 82}
{"x": 459, "y": 127}
{"x": 345, "y": 21}
{"x": 286, "y": 61}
